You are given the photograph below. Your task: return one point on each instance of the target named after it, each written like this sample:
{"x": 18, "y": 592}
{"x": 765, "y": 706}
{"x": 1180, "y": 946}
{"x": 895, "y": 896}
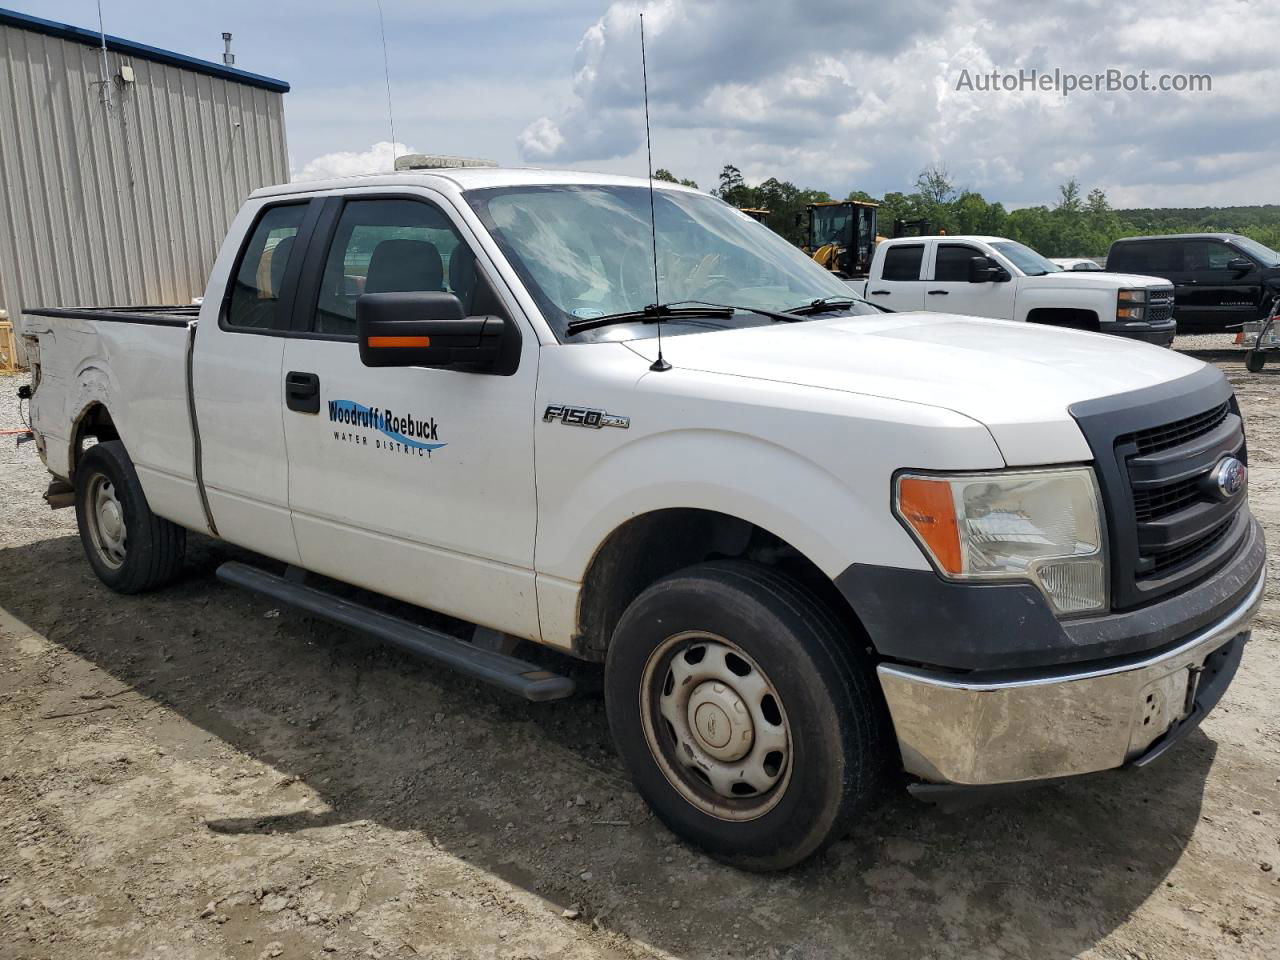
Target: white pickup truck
{"x": 1000, "y": 278}
{"x": 818, "y": 548}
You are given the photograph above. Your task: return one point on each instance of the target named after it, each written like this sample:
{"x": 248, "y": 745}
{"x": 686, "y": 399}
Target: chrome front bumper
{"x": 1053, "y": 724}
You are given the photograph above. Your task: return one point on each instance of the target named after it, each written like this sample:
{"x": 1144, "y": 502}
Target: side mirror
{"x": 981, "y": 270}
{"x": 425, "y": 329}
{"x": 1240, "y": 264}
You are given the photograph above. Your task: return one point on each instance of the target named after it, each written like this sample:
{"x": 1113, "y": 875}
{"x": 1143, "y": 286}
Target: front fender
{"x": 1099, "y": 302}
{"x": 826, "y": 517}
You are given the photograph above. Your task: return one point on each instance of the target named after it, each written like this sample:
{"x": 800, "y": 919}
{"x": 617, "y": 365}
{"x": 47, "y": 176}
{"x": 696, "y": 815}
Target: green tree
{"x": 733, "y": 188}
{"x": 934, "y": 186}
{"x": 970, "y": 213}
{"x": 786, "y": 204}
{"x": 662, "y": 173}
{"x": 1069, "y": 197}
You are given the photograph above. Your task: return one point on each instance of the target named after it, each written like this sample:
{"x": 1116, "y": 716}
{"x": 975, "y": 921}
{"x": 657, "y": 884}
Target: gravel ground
{"x": 194, "y": 774}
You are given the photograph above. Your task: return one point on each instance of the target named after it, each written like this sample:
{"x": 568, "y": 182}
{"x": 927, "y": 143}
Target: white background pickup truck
{"x": 815, "y": 545}
{"x": 996, "y": 277}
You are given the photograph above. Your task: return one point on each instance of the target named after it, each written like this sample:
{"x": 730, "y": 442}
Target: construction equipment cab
{"x": 816, "y": 546}
{"x": 1001, "y": 278}
{"x": 841, "y": 235}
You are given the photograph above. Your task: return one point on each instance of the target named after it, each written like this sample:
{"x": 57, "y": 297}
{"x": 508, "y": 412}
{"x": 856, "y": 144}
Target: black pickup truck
{"x": 1220, "y": 280}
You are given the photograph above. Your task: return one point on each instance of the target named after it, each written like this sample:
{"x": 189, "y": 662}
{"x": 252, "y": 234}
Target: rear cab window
{"x": 1155, "y": 257}
{"x": 254, "y": 298}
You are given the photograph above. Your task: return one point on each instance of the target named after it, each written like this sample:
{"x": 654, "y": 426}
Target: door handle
{"x": 302, "y": 392}
{"x": 939, "y": 293}
{"x": 880, "y": 293}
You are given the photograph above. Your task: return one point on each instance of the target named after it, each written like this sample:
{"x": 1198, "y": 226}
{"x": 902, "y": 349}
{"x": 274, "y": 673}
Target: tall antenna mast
{"x": 386, "y": 71}
{"x": 660, "y": 365}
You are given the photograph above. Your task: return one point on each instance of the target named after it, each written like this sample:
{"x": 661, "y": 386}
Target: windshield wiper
{"x": 823, "y": 305}
{"x": 771, "y": 314}
{"x": 673, "y": 311}
{"x": 654, "y": 313}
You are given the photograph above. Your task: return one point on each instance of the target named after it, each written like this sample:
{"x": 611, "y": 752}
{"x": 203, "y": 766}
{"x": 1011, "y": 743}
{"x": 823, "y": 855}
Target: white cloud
{"x": 541, "y": 140}
{"x": 823, "y": 96}
{"x": 379, "y": 158}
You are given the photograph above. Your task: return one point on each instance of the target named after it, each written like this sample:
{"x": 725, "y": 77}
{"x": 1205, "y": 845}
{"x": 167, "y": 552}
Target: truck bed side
{"x": 129, "y": 365}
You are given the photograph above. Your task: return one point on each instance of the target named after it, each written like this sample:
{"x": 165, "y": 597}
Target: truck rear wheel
{"x": 129, "y": 547}
{"x": 744, "y": 714}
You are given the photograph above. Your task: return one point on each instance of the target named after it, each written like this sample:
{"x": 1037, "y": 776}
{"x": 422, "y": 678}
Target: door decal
{"x": 403, "y": 433}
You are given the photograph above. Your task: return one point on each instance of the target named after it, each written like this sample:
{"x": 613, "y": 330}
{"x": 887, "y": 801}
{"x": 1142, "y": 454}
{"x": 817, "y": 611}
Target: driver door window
{"x": 1200, "y": 256}
{"x": 952, "y": 263}
{"x": 393, "y": 246}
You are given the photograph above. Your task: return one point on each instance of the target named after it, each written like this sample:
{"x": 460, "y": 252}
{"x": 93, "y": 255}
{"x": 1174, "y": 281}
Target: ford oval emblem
{"x": 1229, "y": 477}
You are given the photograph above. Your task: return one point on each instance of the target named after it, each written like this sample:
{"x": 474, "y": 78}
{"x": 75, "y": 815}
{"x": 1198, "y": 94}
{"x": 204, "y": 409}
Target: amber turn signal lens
{"x": 929, "y": 507}
{"x": 399, "y": 341}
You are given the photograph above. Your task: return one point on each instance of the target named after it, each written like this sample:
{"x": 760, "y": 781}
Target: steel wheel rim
{"x": 107, "y": 529}
{"x": 736, "y": 774}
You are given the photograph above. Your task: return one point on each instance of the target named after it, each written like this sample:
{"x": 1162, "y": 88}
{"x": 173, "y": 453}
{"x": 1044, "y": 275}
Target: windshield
{"x": 1263, "y": 254}
{"x": 1026, "y": 259}
{"x": 831, "y": 224}
{"x": 586, "y": 252}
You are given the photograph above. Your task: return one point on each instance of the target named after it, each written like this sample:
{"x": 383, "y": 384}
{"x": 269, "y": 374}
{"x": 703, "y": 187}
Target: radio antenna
{"x": 660, "y": 365}
{"x": 386, "y": 72}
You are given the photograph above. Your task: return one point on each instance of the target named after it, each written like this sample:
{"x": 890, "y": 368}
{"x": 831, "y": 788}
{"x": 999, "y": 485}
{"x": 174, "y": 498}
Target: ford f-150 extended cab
{"x": 995, "y": 277}
{"x": 814, "y": 544}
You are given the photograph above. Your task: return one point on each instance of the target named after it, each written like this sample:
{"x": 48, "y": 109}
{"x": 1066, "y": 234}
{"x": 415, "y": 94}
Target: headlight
{"x": 1130, "y": 304}
{"x": 1044, "y": 526}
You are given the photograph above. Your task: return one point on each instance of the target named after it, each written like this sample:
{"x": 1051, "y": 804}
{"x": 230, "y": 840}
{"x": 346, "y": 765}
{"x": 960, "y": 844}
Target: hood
{"x": 1017, "y": 379}
{"x": 1096, "y": 280}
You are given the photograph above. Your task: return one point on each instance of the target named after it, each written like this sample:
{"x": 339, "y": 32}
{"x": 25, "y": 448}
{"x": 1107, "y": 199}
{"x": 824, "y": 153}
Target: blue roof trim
{"x": 91, "y": 38}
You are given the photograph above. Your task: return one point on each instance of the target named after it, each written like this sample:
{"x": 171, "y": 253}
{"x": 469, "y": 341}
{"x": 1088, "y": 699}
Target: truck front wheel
{"x": 744, "y": 714}
{"x": 129, "y": 547}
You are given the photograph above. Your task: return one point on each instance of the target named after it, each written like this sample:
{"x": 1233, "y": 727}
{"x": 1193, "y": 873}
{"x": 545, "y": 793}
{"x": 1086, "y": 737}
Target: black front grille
{"x": 1155, "y": 439}
{"x": 1155, "y": 451}
{"x": 1171, "y": 561}
{"x": 1161, "y": 502}
{"x": 1160, "y": 306}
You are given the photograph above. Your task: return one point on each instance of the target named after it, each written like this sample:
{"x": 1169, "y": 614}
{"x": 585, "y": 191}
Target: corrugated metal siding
{"x": 129, "y": 206}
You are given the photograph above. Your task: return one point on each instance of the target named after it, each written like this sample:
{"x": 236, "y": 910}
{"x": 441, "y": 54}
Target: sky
{"x": 830, "y": 95}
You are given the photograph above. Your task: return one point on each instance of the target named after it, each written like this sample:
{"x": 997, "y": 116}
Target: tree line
{"x": 1078, "y": 224}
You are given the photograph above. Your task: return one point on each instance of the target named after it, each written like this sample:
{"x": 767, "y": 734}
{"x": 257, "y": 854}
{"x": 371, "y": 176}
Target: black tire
{"x": 1255, "y": 360}
{"x": 836, "y": 723}
{"x": 150, "y": 549}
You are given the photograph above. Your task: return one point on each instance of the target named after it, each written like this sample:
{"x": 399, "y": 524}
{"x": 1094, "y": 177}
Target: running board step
{"x": 509, "y": 673}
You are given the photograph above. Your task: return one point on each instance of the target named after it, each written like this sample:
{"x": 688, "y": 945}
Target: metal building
{"x": 120, "y": 170}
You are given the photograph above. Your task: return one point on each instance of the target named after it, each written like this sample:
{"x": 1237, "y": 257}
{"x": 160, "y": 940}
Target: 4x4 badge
{"x": 584, "y": 417}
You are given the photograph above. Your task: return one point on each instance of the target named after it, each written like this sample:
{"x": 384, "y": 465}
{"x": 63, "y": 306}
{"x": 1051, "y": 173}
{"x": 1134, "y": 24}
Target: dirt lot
{"x": 194, "y": 774}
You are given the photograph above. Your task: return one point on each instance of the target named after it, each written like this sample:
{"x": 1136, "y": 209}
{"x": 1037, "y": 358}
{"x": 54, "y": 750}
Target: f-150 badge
{"x": 583, "y": 417}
